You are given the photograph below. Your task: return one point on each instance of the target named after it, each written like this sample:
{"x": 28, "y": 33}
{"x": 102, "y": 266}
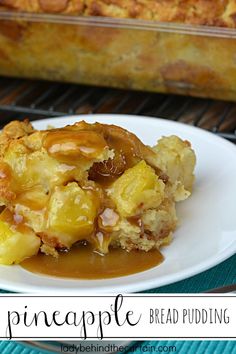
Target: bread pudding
{"x": 92, "y": 183}
{"x": 203, "y": 12}
{"x": 108, "y": 43}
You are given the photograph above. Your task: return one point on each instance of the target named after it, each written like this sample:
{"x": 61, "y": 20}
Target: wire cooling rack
{"x": 39, "y": 99}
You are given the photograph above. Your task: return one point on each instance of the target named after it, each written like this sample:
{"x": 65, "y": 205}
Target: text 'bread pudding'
{"x": 93, "y": 183}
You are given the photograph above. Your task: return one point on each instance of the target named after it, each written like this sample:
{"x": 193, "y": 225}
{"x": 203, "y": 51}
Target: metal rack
{"x": 39, "y": 99}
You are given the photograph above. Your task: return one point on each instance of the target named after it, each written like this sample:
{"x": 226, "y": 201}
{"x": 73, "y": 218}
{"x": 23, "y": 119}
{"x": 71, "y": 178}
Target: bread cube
{"x": 177, "y": 159}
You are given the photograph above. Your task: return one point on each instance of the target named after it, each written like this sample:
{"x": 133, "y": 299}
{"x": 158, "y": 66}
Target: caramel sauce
{"x": 68, "y": 145}
{"x": 16, "y": 221}
{"x": 5, "y": 171}
{"x": 82, "y": 263}
{"x": 108, "y": 171}
{"x": 108, "y": 218}
{"x": 127, "y": 149}
{"x": 137, "y": 221}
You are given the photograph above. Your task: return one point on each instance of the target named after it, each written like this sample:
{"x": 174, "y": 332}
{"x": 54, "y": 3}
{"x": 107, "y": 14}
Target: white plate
{"x": 206, "y": 236}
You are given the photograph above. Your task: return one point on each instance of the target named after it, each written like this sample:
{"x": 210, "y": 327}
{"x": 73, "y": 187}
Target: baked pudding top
{"x": 200, "y": 12}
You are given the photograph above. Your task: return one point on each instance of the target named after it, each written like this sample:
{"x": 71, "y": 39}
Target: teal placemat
{"x": 176, "y": 347}
{"x": 221, "y": 275}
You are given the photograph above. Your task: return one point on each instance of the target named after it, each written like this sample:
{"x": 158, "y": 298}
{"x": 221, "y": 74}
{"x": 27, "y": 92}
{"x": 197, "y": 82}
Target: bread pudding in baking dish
{"x": 92, "y": 183}
{"x": 201, "y": 12}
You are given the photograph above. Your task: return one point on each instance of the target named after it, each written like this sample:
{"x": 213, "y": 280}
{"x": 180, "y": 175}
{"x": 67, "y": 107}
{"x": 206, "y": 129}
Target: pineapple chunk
{"x": 15, "y": 246}
{"x": 137, "y": 189}
{"x": 72, "y": 212}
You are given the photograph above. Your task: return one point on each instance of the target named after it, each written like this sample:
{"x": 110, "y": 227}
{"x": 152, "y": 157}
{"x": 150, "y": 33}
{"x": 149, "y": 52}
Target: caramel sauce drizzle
{"x": 65, "y": 145}
{"x": 82, "y": 263}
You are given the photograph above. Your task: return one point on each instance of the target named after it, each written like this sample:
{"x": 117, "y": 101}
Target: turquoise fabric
{"x": 182, "y": 347}
{"x": 221, "y": 275}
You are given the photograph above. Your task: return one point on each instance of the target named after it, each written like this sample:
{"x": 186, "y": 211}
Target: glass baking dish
{"x": 124, "y": 53}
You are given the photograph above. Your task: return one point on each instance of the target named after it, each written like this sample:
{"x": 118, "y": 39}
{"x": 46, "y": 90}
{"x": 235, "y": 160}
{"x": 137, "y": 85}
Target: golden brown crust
{"x": 14, "y": 130}
{"x": 201, "y": 12}
{"x": 38, "y": 6}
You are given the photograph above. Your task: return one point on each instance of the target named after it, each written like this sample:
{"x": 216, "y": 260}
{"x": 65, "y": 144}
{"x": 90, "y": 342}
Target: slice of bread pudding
{"x": 88, "y": 182}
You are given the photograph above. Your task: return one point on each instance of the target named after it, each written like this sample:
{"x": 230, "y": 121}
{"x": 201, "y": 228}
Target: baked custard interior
{"x": 93, "y": 183}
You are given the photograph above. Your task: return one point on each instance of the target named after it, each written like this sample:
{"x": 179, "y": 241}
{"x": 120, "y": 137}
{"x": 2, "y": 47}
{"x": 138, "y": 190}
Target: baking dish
{"x": 125, "y": 53}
